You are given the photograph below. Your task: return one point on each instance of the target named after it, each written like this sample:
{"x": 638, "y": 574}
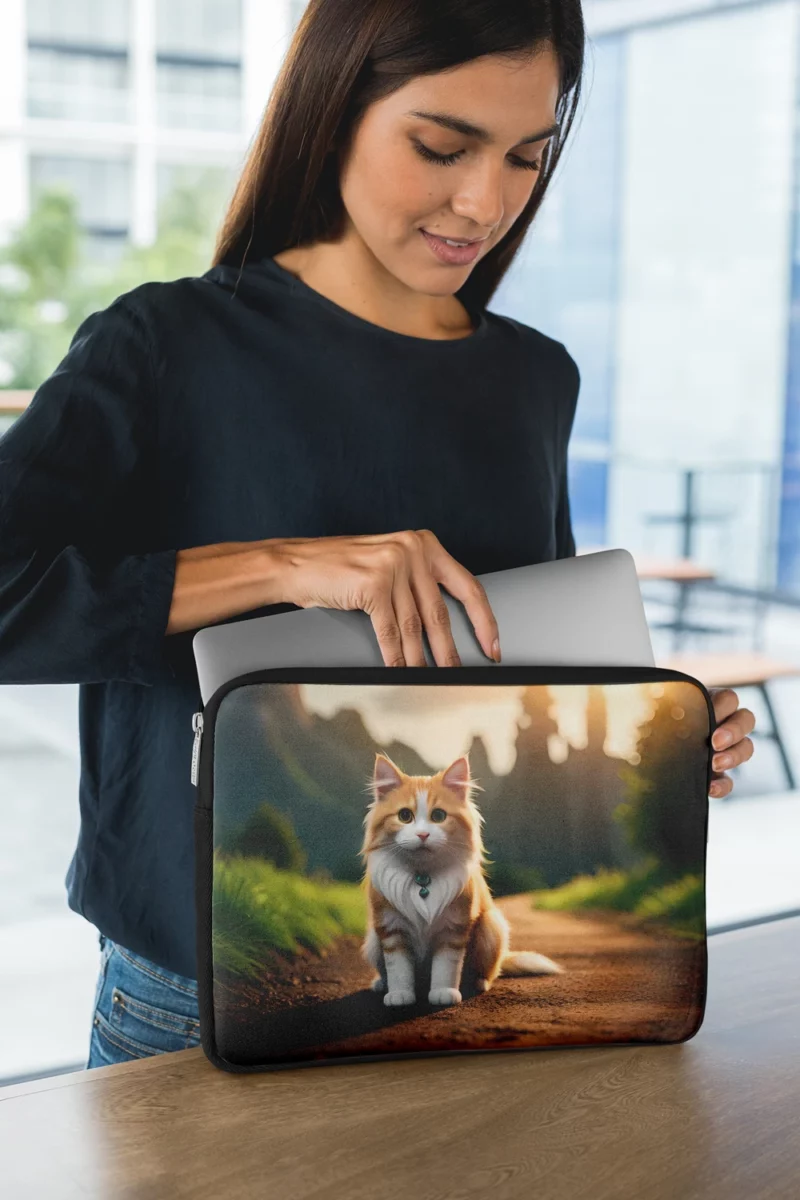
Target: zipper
{"x": 197, "y": 726}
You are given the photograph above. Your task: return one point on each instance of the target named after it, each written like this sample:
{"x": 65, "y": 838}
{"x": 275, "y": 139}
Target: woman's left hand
{"x": 729, "y": 740}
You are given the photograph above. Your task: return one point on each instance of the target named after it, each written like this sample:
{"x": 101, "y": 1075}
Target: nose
{"x": 423, "y": 836}
{"x": 483, "y": 201}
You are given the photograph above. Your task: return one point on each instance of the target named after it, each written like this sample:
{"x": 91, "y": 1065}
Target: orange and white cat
{"x": 428, "y": 896}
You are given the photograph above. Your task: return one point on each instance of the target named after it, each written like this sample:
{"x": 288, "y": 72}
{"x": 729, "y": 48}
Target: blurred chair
{"x": 741, "y": 670}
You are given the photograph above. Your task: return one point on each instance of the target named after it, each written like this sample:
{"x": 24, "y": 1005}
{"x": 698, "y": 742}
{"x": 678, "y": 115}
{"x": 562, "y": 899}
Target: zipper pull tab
{"x": 197, "y": 726}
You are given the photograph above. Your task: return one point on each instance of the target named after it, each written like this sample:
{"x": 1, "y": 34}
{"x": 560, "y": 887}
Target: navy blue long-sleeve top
{"x": 238, "y": 406}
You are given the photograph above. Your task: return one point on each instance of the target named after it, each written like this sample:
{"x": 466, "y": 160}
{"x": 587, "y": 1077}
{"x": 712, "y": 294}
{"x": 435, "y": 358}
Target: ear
{"x": 457, "y": 776}
{"x": 386, "y": 776}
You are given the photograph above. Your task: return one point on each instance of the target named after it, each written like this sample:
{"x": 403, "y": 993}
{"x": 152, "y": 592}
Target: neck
{"x": 348, "y": 274}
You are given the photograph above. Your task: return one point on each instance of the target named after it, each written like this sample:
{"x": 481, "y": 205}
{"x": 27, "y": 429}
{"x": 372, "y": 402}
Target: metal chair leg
{"x": 787, "y": 766}
{"x": 680, "y": 612}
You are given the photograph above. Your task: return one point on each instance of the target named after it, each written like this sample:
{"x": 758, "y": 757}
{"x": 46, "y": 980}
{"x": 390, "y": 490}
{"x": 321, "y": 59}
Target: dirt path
{"x": 620, "y": 984}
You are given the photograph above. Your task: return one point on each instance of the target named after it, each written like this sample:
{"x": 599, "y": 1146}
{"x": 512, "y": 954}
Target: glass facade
{"x": 102, "y": 188}
{"x": 660, "y": 258}
{"x": 198, "y": 64}
{"x": 565, "y": 280}
{"x": 78, "y": 60}
{"x": 95, "y": 22}
{"x": 789, "y": 513}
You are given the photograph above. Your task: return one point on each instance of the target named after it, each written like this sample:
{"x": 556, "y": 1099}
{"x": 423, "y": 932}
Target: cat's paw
{"x": 378, "y": 985}
{"x": 482, "y": 985}
{"x": 444, "y": 996}
{"x": 399, "y": 997}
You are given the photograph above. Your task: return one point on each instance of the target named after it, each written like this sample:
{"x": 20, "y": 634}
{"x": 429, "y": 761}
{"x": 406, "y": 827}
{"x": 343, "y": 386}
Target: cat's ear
{"x": 457, "y": 776}
{"x": 386, "y": 776}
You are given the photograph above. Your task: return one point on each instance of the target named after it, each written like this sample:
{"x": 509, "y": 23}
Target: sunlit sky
{"x": 439, "y": 722}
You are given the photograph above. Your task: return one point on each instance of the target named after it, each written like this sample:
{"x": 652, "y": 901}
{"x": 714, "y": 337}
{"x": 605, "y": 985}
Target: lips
{"x": 454, "y": 255}
{"x": 447, "y": 237}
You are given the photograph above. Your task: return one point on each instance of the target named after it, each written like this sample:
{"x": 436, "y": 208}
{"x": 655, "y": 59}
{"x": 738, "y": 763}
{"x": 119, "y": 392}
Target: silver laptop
{"x": 582, "y": 611}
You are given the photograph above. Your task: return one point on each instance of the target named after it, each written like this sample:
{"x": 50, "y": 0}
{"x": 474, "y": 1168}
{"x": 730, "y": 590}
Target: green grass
{"x": 680, "y": 904}
{"x": 677, "y": 905}
{"x": 260, "y": 911}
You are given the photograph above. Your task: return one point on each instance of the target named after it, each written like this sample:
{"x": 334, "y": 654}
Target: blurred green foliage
{"x": 50, "y": 280}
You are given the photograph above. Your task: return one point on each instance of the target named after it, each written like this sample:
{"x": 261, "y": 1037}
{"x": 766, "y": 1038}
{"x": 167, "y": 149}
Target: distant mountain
{"x": 555, "y": 817}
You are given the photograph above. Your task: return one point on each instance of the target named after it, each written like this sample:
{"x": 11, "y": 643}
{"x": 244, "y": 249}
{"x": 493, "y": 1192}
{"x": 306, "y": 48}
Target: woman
{"x": 328, "y": 417}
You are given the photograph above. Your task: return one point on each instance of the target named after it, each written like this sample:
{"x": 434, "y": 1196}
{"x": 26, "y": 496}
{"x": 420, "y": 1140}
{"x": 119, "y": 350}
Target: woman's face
{"x": 392, "y": 190}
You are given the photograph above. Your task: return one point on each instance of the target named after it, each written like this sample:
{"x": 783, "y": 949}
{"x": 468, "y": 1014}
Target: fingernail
{"x": 721, "y": 761}
{"x": 496, "y": 650}
{"x": 723, "y": 738}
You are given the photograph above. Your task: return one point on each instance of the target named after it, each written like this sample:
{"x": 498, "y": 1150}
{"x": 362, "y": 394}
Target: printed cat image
{"x": 428, "y": 898}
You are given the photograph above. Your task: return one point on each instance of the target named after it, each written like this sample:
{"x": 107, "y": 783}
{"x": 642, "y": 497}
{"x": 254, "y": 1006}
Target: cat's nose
{"x": 423, "y": 836}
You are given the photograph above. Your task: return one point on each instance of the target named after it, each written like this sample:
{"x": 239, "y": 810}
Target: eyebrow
{"x": 447, "y": 121}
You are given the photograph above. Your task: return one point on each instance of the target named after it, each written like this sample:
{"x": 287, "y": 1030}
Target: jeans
{"x": 140, "y": 1009}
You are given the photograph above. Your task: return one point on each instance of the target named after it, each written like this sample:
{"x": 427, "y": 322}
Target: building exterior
{"x": 121, "y": 99}
{"x": 666, "y": 257}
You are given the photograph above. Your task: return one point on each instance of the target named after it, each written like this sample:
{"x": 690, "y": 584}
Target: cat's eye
{"x": 405, "y": 815}
{"x": 438, "y": 815}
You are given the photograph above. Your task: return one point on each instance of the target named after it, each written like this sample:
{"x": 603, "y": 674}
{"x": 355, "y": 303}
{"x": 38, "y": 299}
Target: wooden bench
{"x": 740, "y": 670}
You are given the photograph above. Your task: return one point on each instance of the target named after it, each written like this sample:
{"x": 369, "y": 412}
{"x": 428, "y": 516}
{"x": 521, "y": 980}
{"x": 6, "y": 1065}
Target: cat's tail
{"x": 528, "y": 962}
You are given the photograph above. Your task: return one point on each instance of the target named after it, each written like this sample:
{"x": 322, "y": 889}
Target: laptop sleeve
{"x": 405, "y": 861}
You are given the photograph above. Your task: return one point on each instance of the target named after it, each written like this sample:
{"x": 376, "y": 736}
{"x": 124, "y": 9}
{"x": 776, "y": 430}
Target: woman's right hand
{"x": 394, "y": 578}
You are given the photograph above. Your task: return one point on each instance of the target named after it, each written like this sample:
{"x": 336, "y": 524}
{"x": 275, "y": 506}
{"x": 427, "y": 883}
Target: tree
{"x": 269, "y": 835}
{"x": 666, "y": 804}
{"x": 49, "y": 281}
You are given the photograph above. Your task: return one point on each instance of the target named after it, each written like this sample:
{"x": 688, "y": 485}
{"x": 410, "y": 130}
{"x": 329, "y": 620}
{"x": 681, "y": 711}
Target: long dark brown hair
{"x": 344, "y": 56}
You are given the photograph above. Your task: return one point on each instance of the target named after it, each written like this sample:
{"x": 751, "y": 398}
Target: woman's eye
{"x": 431, "y": 155}
{"x": 438, "y": 815}
{"x": 447, "y": 160}
{"x": 405, "y": 815}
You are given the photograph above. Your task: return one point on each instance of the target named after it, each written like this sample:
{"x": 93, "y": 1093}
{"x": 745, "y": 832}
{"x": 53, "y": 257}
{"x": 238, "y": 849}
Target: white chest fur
{"x": 419, "y": 917}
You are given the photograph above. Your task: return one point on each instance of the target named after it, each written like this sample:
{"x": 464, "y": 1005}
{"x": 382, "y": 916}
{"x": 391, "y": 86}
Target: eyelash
{"x": 447, "y": 160}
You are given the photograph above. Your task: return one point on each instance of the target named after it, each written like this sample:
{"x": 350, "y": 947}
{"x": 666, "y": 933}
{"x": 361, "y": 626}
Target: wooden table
{"x": 716, "y": 1118}
{"x": 648, "y": 566}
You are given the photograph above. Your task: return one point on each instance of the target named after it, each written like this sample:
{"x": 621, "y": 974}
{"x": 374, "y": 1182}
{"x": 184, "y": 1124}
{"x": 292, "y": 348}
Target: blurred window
{"x": 78, "y": 61}
{"x": 198, "y": 64}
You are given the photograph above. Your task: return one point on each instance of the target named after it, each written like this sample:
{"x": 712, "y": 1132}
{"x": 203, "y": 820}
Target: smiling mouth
{"x": 456, "y": 241}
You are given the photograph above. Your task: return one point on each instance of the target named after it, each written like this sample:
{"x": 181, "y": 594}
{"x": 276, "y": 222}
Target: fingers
{"x": 398, "y": 610}
{"x": 435, "y": 614}
{"x": 729, "y": 739}
{"x": 722, "y": 784}
{"x": 733, "y": 729}
{"x": 394, "y": 578}
{"x": 387, "y": 631}
{"x": 737, "y": 754}
{"x": 721, "y": 787}
{"x": 725, "y": 701}
{"x": 464, "y": 586}
{"x": 405, "y": 601}
{"x": 409, "y": 622}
